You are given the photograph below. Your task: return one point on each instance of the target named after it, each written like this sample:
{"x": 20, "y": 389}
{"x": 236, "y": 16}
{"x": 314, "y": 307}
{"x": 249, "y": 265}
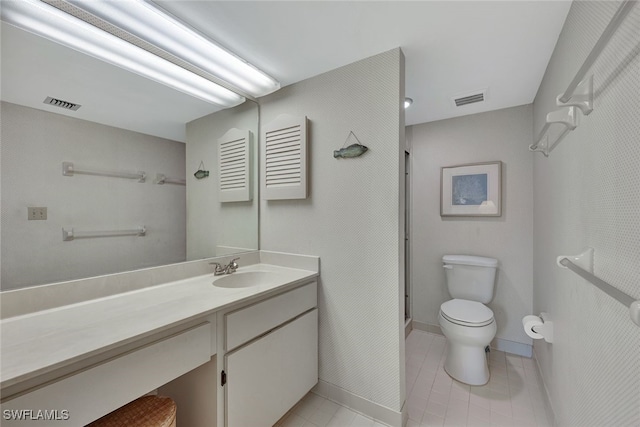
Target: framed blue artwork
{"x": 471, "y": 190}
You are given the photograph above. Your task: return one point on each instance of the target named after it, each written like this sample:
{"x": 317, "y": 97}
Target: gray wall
{"x": 34, "y": 145}
{"x": 210, "y": 223}
{"x": 587, "y": 193}
{"x": 496, "y": 135}
{"x": 352, "y": 220}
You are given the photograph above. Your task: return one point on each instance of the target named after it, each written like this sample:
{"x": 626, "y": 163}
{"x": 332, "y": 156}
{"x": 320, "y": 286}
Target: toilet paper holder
{"x": 538, "y": 327}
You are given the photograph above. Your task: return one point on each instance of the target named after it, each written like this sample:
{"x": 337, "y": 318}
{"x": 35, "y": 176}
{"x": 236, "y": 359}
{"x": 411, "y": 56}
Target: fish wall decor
{"x": 201, "y": 173}
{"x": 353, "y": 150}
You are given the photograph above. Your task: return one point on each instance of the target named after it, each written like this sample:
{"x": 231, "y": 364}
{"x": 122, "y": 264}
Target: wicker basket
{"x": 147, "y": 411}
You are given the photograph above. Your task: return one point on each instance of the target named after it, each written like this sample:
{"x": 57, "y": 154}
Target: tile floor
{"x": 512, "y": 398}
{"x": 316, "y": 411}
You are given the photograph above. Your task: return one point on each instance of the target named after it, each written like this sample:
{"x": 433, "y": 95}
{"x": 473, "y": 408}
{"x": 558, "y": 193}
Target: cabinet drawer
{"x": 92, "y": 393}
{"x": 249, "y": 322}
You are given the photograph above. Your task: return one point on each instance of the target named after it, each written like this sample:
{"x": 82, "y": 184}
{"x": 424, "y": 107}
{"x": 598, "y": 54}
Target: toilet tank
{"x": 470, "y": 277}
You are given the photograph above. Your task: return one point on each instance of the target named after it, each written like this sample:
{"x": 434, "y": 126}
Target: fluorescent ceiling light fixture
{"x": 153, "y": 25}
{"x": 408, "y": 102}
{"x": 46, "y": 21}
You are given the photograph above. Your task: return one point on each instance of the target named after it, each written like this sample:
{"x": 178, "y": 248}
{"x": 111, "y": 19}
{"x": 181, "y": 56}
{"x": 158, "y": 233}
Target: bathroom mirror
{"x": 125, "y": 124}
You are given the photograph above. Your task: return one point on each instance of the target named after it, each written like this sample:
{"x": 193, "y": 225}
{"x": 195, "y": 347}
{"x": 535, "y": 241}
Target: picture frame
{"x": 473, "y": 189}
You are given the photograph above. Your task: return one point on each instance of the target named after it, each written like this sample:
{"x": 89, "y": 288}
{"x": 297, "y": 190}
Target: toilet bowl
{"x": 469, "y": 327}
{"x": 466, "y": 322}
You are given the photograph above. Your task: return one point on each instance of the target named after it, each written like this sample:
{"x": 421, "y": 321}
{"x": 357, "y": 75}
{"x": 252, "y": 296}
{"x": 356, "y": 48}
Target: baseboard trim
{"x": 427, "y": 327}
{"x": 543, "y": 386}
{"x": 359, "y": 404}
{"x": 512, "y": 347}
{"x": 408, "y": 326}
{"x": 500, "y": 344}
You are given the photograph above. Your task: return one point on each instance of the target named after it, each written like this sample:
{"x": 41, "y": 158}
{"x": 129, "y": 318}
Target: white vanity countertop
{"x": 41, "y": 342}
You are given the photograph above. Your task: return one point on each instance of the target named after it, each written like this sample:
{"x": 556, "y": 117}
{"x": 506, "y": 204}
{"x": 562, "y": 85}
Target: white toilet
{"x": 465, "y": 321}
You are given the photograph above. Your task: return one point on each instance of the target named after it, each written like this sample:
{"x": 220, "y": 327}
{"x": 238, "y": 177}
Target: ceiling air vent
{"x": 472, "y": 98}
{"x": 62, "y": 104}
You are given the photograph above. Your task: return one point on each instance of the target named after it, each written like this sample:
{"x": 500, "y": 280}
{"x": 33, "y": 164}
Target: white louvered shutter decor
{"x": 234, "y": 166}
{"x": 284, "y": 158}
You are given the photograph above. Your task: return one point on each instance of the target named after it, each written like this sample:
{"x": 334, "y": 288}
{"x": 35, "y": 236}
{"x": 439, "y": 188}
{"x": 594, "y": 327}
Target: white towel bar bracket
{"x": 582, "y": 97}
{"x": 565, "y": 116}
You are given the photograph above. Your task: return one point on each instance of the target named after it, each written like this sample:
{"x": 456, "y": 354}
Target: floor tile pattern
{"x": 316, "y": 411}
{"x": 512, "y": 398}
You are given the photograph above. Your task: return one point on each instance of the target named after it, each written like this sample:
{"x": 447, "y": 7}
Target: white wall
{"x": 34, "y": 145}
{"x": 352, "y": 221}
{"x": 211, "y": 224}
{"x": 496, "y": 135}
{"x": 587, "y": 193}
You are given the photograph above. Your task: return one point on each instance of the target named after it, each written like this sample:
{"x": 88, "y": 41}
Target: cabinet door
{"x": 266, "y": 377}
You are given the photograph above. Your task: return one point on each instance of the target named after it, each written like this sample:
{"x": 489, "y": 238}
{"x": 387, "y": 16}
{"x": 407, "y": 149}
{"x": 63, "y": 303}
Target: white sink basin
{"x": 246, "y": 279}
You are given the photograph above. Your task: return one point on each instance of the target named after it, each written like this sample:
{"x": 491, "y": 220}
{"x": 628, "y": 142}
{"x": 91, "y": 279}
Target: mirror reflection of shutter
{"x": 234, "y": 166}
{"x": 284, "y": 158}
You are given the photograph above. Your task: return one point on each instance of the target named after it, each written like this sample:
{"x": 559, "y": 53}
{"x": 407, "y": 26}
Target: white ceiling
{"x": 451, "y": 47}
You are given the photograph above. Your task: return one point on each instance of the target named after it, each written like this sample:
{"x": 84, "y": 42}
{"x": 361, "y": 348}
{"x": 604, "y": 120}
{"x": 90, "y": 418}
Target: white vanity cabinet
{"x": 272, "y": 357}
{"x": 184, "y": 339}
{"x": 90, "y": 393}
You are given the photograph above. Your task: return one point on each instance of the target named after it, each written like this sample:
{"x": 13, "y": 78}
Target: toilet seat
{"x": 466, "y": 313}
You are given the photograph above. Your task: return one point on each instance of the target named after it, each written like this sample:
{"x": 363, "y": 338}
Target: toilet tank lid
{"x": 470, "y": 260}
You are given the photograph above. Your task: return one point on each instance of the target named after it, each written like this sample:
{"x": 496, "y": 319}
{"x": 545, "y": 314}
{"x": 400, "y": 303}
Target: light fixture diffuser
{"x": 46, "y": 21}
{"x": 150, "y": 23}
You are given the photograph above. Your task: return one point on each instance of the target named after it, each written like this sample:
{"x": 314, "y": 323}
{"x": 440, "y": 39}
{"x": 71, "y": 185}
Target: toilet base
{"x": 467, "y": 364}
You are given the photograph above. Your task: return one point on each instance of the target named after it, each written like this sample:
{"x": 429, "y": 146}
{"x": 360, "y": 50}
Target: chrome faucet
{"x": 227, "y": 269}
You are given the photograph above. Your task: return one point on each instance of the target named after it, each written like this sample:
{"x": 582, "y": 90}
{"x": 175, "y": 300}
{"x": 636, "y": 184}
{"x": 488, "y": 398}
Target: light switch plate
{"x": 36, "y": 213}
